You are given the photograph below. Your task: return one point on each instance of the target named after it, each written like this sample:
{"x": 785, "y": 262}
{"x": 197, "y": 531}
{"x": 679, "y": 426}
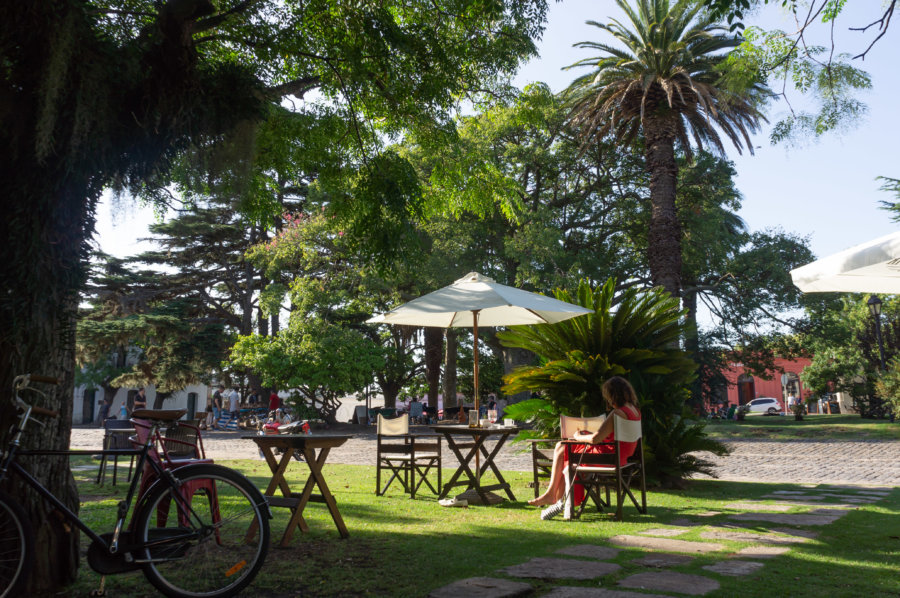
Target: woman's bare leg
{"x": 555, "y": 490}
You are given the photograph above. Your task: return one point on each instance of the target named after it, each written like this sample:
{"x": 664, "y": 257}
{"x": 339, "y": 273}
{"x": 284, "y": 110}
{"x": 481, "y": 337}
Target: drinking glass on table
{"x": 492, "y": 415}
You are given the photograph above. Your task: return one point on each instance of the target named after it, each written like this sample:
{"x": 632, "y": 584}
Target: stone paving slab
{"x": 791, "y": 518}
{"x": 671, "y": 581}
{"x": 850, "y": 497}
{"x": 483, "y": 587}
{"x": 668, "y": 532}
{"x": 788, "y": 503}
{"x": 776, "y": 496}
{"x": 763, "y": 552}
{"x": 787, "y": 531}
{"x": 575, "y": 592}
{"x": 663, "y": 560}
{"x": 551, "y": 568}
{"x": 590, "y": 551}
{"x": 790, "y": 531}
{"x": 726, "y": 534}
{"x": 734, "y": 568}
{"x": 665, "y": 544}
{"x": 684, "y": 522}
{"x": 759, "y": 506}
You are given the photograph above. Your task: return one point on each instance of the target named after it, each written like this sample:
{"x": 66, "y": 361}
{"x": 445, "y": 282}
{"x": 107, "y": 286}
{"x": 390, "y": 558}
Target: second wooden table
{"x": 307, "y": 444}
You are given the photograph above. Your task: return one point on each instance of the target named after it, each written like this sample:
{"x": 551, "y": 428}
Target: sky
{"x": 825, "y": 190}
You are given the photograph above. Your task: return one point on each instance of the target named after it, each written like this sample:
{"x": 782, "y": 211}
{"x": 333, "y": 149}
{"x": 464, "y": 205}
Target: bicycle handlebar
{"x": 47, "y": 412}
{"x": 21, "y": 383}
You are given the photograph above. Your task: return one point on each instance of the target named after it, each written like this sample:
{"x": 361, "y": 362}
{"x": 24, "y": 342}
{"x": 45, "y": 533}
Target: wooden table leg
{"x": 278, "y": 468}
{"x": 464, "y": 466}
{"x": 489, "y": 462}
{"x": 316, "y": 476}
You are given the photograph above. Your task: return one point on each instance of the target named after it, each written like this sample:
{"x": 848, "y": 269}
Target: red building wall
{"x": 757, "y": 386}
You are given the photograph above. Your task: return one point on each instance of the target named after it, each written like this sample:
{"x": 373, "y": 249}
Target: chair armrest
{"x": 536, "y": 441}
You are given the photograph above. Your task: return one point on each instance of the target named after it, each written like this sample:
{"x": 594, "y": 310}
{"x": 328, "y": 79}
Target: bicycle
{"x": 207, "y": 548}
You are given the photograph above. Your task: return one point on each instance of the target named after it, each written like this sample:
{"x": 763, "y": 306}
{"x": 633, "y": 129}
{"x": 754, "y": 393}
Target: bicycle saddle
{"x": 165, "y": 415}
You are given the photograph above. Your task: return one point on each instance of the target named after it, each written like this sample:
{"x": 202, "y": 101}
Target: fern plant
{"x": 633, "y": 333}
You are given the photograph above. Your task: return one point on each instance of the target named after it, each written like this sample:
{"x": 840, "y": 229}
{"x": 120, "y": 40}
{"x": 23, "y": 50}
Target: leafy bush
{"x": 634, "y": 334}
{"x": 888, "y": 385}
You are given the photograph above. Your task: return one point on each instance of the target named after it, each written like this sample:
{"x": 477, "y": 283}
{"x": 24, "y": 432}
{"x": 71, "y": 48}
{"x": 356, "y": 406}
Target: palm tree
{"x": 667, "y": 82}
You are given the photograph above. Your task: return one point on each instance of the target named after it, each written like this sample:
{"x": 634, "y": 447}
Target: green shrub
{"x": 634, "y": 334}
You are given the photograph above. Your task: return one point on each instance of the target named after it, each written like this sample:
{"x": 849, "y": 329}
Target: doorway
{"x": 746, "y": 389}
{"x": 192, "y": 405}
{"x": 87, "y": 406}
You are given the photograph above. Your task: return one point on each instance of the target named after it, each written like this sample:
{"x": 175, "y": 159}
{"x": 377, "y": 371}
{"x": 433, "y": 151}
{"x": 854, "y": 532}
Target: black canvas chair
{"x": 408, "y": 457}
{"x": 116, "y": 433}
{"x": 598, "y": 473}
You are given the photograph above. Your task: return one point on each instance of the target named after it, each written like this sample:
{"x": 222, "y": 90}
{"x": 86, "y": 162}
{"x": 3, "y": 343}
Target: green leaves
{"x": 323, "y": 361}
{"x": 633, "y": 334}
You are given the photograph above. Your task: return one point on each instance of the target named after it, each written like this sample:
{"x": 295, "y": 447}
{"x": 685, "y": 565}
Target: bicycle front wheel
{"x": 213, "y": 549}
{"x": 16, "y": 547}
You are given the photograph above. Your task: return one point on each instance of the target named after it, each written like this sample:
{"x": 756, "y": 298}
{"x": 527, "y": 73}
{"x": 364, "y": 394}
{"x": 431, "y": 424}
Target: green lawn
{"x": 401, "y": 547}
{"x": 813, "y": 427}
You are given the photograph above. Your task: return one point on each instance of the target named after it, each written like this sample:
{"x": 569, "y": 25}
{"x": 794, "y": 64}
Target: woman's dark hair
{"x": 618, "y": 392}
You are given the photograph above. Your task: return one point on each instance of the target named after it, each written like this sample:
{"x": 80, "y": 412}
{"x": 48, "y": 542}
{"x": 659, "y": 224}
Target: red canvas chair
{"x": 183, "y": 452}
{"x": 600, "y": 472}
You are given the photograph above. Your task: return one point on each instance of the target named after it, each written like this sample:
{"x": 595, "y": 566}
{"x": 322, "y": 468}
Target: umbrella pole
{"x": 475, "y": 352}
{"x": 475, "y": 384}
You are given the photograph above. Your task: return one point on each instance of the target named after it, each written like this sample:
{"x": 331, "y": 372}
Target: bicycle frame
{"x": 10, "y": 465}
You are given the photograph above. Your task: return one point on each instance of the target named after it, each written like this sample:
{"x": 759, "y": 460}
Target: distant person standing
{"x": 273, "y": 401}
{"x": 217, "y": 405}
{"x": 104, "y": 411}
{"x": 140, "y": 399}
{"x": 254, "y": 399}
{"x": 234, "y": 403}
{"x": 210, "y": 422}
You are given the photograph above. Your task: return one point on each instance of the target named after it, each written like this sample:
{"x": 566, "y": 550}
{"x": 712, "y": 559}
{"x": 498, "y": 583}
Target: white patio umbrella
{"x": 476, "y": 300}
{"x": 872, "y": 267}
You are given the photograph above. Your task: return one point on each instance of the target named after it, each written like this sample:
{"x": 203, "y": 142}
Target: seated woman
{"x": 622, "y": 400}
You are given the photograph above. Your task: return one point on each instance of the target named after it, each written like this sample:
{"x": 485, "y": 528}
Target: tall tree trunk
{"x": 434, "y": 344}
{"x": 664, "y": 239}
{"x": 450, "y": 369}
{"x": 692, "y": 344}
{"x": 512, "y": 358}
{"x": 44, "y": 231}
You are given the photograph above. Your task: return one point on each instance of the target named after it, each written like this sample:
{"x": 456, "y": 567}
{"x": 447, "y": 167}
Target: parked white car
{"x": 764, "y": 405}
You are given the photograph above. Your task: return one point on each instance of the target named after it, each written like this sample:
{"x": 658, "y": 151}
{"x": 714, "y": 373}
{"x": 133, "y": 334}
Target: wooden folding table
{"x": 457, "y": 437}
{"x": 307, "y": 444}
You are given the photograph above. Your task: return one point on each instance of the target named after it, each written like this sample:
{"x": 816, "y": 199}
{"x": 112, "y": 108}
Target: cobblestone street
{"x": 792, "y": 461}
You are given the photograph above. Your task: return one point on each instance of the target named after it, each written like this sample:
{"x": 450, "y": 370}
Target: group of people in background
{"x": 231, "y": 399}
{"x": 222, "y": 402}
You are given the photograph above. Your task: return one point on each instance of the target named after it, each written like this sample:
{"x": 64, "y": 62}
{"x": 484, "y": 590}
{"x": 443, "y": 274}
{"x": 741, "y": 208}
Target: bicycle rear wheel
{"x": 223, "y": 546}
{"x": 16, "y": 547}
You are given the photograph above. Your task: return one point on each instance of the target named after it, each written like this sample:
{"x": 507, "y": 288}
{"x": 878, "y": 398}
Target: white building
{"x": 86, "y": 408}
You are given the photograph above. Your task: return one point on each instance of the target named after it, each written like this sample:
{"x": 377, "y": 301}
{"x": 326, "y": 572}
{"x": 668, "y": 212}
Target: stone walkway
{"x": 875, "y": 463}
{"x": 657, "y": 570}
